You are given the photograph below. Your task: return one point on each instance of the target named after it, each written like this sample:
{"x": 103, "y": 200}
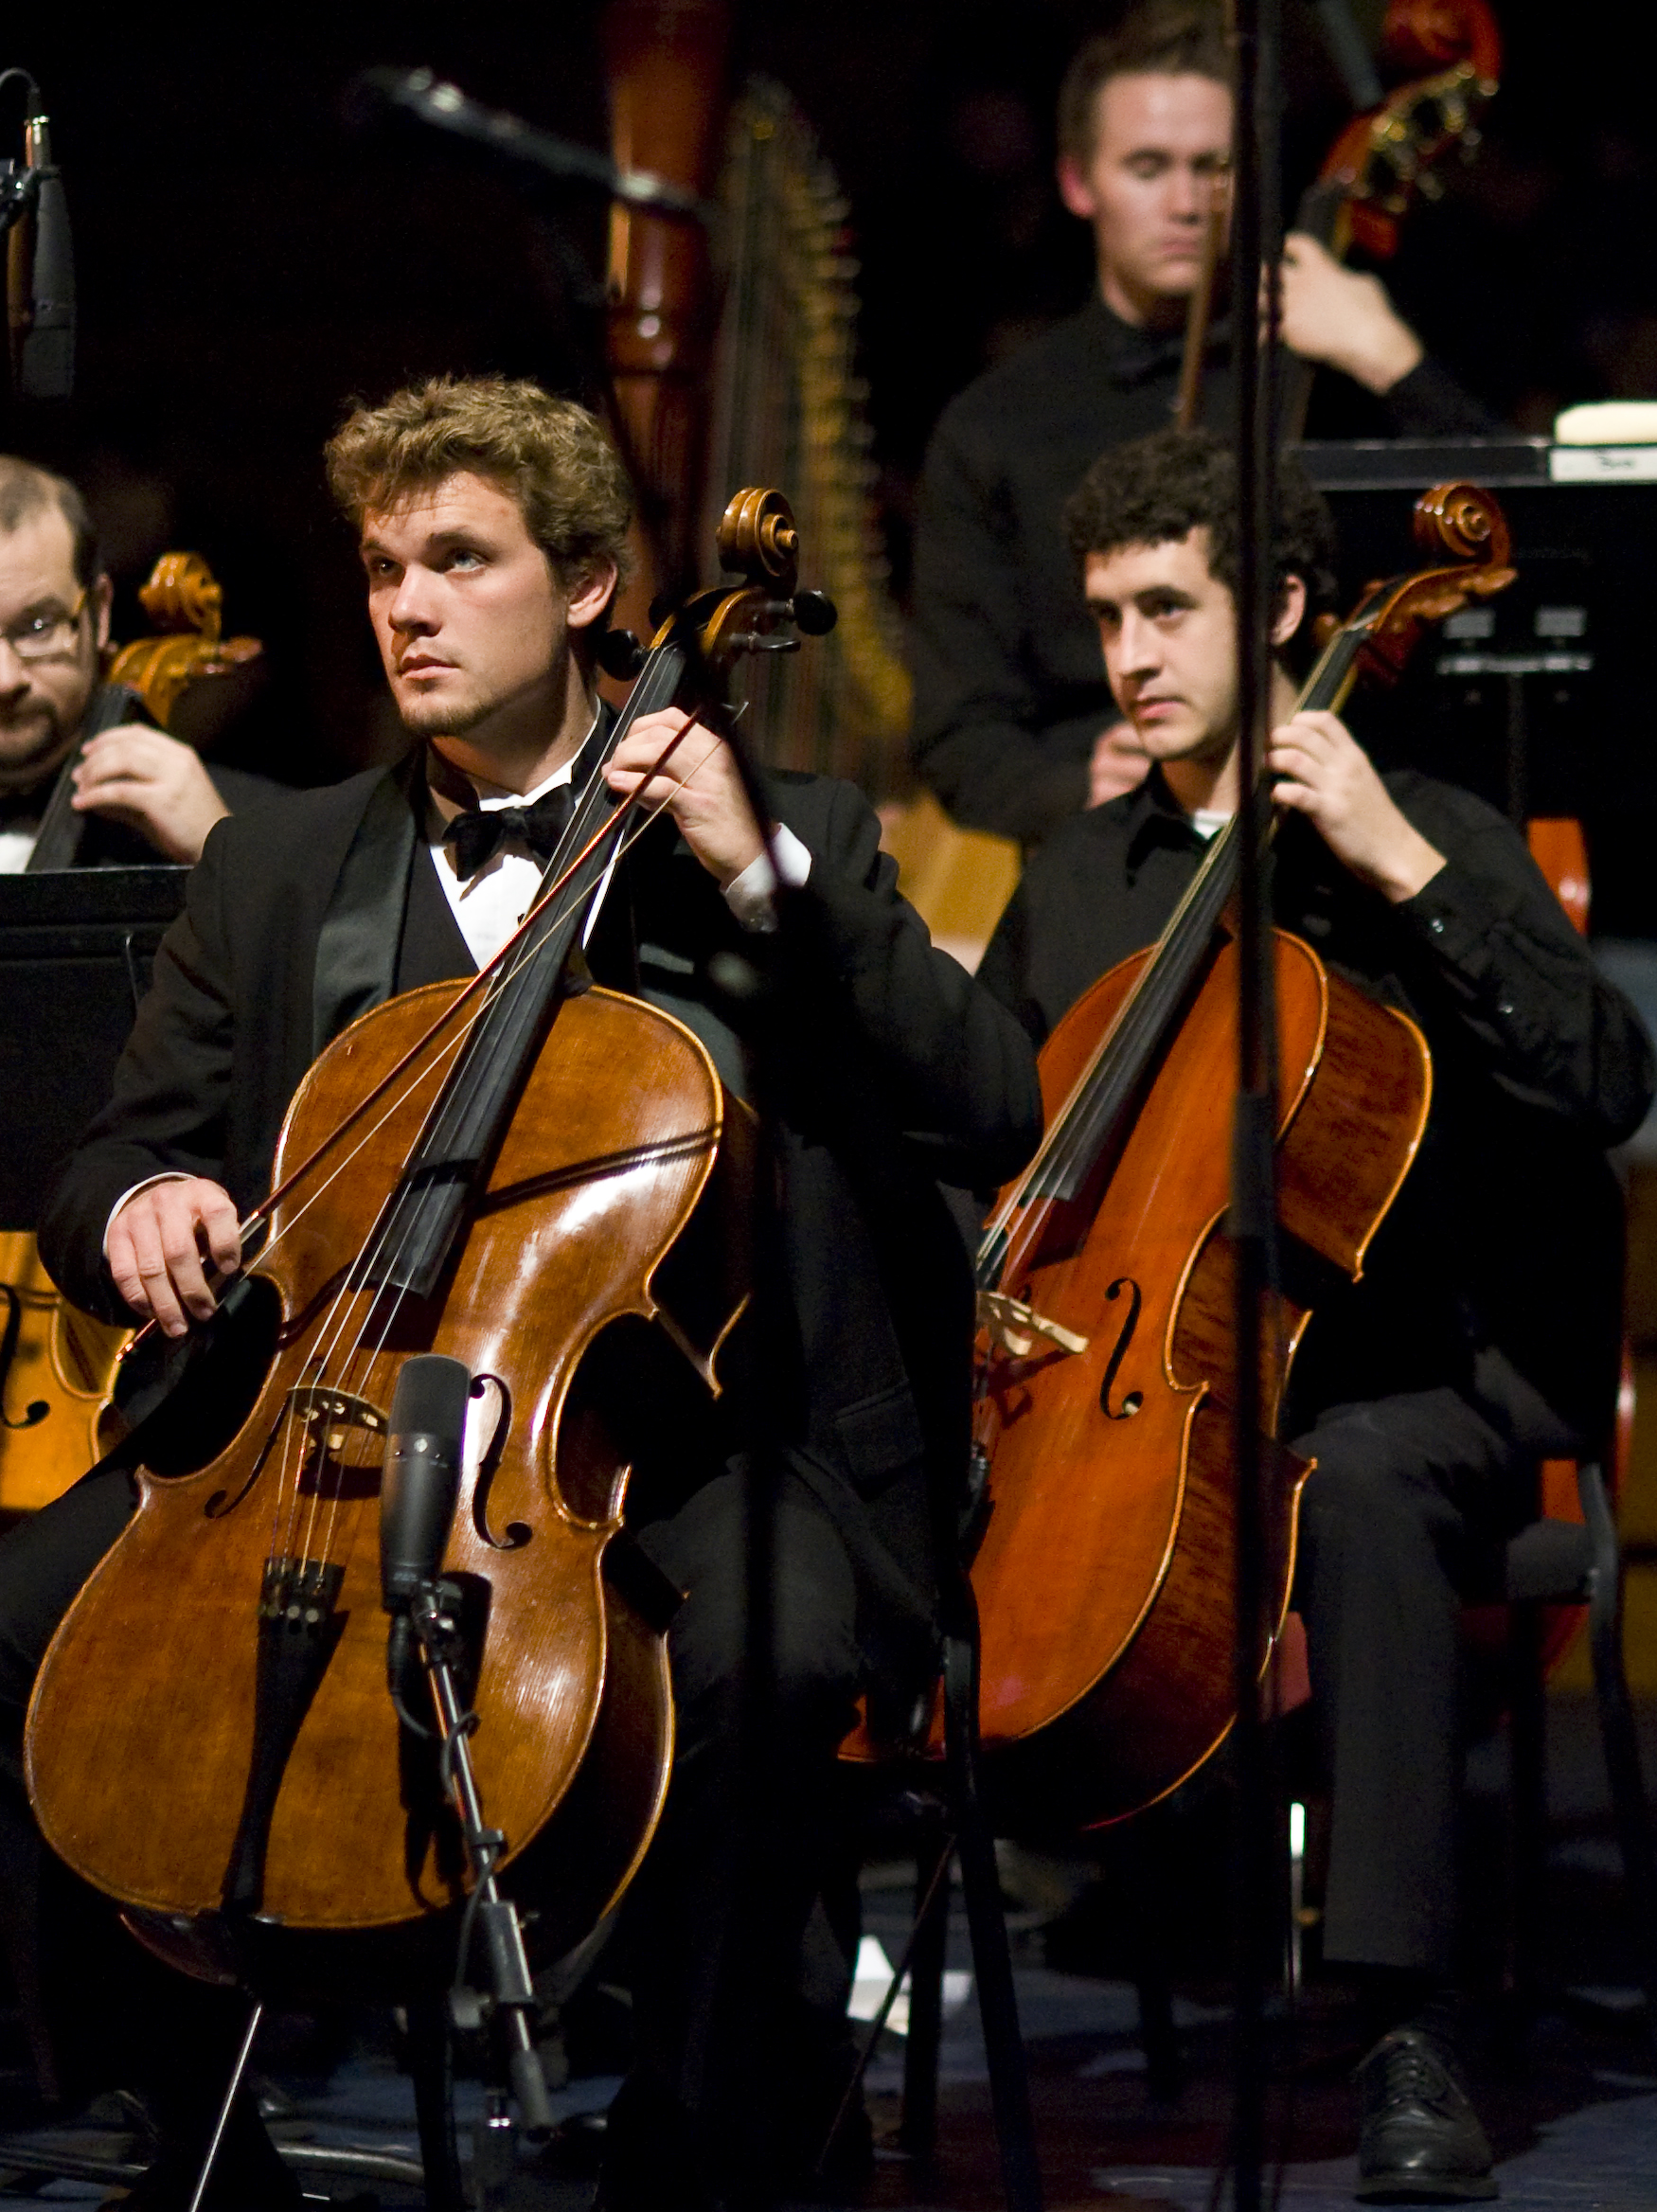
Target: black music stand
{"x": 76, "y": 950}
{"x": 1539, "y": 699}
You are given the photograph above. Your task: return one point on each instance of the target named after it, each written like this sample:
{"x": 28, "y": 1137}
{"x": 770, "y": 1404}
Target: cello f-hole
{"x": 516, "y": 1534}
{"x": 1133, "y": 1399}
{"x": 38, "y": 1409}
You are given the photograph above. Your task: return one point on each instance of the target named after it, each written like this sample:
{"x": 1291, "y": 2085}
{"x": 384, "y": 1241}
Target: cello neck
{"x": 476, "y": 1103}
{"x": 1105, "y": 1096}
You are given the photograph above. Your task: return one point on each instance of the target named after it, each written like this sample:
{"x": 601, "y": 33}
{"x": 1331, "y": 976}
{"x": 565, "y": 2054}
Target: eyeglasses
{"x": 42, "y": 637}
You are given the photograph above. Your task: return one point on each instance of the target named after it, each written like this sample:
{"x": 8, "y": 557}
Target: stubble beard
{"x": 436, "y": 718}
{"x": 34, "y": 744}
{"x": 429, "y": 717}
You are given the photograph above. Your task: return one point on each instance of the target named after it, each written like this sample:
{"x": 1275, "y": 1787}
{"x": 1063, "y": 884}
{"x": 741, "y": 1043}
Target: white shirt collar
{"x": 490, "y": 795}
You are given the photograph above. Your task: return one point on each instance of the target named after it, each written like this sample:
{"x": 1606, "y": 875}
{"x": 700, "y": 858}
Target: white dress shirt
{"x": 490, "y": 905}
{"x": 17, "y": 843}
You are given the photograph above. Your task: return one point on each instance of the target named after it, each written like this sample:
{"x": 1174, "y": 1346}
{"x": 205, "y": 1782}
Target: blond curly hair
{"x": 553, "y": 456}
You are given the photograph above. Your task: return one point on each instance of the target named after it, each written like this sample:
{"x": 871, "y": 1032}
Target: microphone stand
{"x": 1257, "y": 247}
{"x": 434, "y": 1616}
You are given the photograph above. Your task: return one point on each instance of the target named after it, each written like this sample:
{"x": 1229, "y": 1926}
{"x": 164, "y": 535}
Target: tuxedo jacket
{"x": 888, "y": 1070}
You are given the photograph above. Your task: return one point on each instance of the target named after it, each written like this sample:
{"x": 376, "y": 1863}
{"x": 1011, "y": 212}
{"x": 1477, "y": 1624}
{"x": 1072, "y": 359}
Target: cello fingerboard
{"x": 413, "y": 1239}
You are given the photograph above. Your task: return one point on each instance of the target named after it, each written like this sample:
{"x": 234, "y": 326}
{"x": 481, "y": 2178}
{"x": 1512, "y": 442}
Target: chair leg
{"x": 1527, "y": 1709}
{"x": 1009, "y": 2087}
{"x": 1145, "y": 1848}
{"x": 1617, "y": 1721}
{"x": 918, "y": 2130}
{"x": 431, "y": 2063}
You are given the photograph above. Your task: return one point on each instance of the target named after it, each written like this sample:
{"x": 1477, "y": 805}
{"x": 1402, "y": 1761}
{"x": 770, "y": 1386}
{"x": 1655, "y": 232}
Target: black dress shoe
{"x": 1419, "y": 2140}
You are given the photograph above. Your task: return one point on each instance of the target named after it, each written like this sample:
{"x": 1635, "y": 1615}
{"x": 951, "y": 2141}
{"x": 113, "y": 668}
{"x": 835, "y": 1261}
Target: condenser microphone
{"x": 427, "y": 1430}
{"x": 41, "y": 279}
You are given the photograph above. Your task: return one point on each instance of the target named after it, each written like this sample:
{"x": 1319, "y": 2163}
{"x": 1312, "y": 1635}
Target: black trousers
{"x": 719, "y": 1910}
{"x": 1404, "y": 1513}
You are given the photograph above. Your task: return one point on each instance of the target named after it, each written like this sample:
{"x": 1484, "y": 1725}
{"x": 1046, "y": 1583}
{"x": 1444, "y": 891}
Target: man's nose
{"x": 1187, "y": 193}
{"x": 411, "y": 604}
{"x": 14, "y": 675}
{"x": 1138, "y": 647}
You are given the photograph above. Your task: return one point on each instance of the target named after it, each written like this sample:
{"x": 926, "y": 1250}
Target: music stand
{"x": 1539, "y": 700}
{"x": 77, "y": 946}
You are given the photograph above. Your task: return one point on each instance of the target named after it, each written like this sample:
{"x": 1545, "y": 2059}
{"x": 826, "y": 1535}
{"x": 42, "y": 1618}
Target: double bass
{"x": 1449, "y": 53}
{"x": 1105, "y": 1576}
{"x": 501, "y": 1171}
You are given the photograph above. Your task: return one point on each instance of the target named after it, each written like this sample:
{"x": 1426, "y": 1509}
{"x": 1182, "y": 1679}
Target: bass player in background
{"x": 136, "y": 795}
{"x": 1014, "y": 727}
{"x": 1483, "y": 1335}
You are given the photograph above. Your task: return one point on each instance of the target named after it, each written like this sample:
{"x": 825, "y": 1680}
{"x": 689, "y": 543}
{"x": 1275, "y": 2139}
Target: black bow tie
{"x": 478, "y": 833}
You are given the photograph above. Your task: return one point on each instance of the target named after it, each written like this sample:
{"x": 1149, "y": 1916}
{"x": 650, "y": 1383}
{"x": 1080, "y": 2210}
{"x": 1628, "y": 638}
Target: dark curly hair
{"x": 1160, "y": 489}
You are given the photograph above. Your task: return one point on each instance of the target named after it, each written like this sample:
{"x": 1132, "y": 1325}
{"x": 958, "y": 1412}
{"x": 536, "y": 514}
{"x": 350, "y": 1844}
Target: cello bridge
{"x": 330, "y": 1412}
{"x": 1013, "y": 1328}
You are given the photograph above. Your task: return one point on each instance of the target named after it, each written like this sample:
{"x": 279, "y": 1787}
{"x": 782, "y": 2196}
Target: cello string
{"x": 1107, "y": 1090}
{"x": 1133, "y": 1020}
{"x": 522, "y": 955}
{"x": 378, "y": 1322}
{"x": 1324, "y": 685}
{"x": 355, "y": 1296}
{"x": 373, "y": 1260}
{"x": 509, "y": 962}
{"x": 1138, "y": 1021}
{"x": 481, "y": 981}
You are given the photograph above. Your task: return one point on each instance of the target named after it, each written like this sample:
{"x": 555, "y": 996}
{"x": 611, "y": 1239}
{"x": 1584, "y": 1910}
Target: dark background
{"x": 248, "y": 262}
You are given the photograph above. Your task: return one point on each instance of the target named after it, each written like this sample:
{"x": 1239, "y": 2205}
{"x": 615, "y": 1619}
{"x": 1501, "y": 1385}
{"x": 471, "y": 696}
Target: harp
{"x": 738, "y": 366}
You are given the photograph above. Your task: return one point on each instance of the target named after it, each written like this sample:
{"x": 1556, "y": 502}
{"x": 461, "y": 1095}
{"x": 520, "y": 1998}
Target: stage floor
{"x": 1570, "y": 2099}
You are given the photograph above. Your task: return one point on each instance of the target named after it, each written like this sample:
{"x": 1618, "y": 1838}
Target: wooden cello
{"x": 500, "y": 1172}
{"x": 1105, "y": 1574}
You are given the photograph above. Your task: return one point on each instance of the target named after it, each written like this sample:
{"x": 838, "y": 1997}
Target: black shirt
{"x": 1501, "y": 1258}
{"x": 1009, "y": 688}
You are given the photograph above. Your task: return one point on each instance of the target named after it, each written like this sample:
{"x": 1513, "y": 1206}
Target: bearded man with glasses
{"x": 137, "y": 795}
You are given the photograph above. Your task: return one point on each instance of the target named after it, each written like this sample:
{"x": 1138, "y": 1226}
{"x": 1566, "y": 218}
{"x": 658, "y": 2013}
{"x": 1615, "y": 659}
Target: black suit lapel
{"x": 357, "y": 946}
{"x": 432, "y": 949}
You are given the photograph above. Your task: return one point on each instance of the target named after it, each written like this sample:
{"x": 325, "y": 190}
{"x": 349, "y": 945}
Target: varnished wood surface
{"x": 665, "y": 63}
{"x": 64, "y": 1361}
{"x": 1104, "y": 1579}
{"x": 185, "y": 604}
{"x": 140, "y": 1737}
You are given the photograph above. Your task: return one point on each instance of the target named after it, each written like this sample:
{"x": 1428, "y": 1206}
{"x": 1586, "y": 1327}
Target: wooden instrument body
{"x": 1111, "y": 1474}
{"x": 146, "y": 1701}
{"x": 64, "y": 1363}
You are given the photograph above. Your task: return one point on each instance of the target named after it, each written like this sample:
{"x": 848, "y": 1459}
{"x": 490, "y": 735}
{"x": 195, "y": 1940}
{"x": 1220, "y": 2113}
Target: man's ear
{"x": 102, "y": 592}
{"x": 1074, "y": 189}
{"x": 1291, "y": 610}
{"x": 590, "y": 594}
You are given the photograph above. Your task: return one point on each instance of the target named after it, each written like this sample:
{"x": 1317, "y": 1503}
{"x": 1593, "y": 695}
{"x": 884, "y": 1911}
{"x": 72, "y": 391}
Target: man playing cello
{"x": 491, "y": 520}
{"x": 1483, "y": 1335}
